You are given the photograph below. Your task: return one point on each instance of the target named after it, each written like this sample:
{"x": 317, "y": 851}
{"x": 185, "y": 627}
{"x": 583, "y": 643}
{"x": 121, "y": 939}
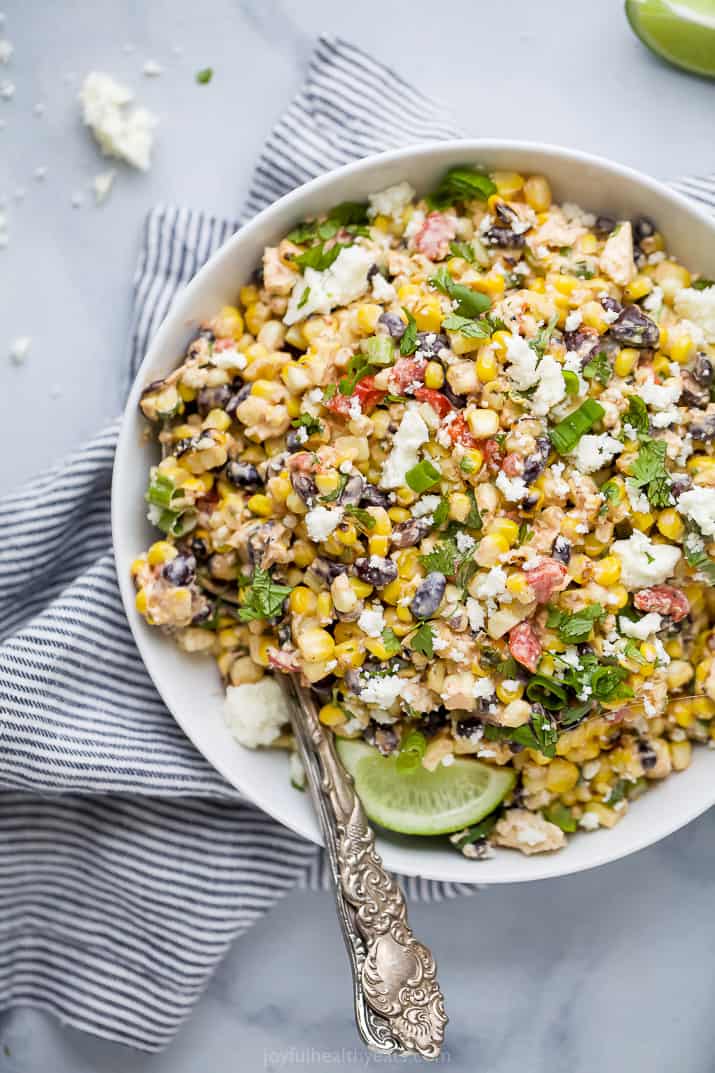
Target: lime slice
{"x": 422, "y": 802}
{"x": 681, "y": 31}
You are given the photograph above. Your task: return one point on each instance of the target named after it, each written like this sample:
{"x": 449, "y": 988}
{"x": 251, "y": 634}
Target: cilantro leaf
{"x": 462, "y": 184}
{"x": 308, "y": 422}
{"x": 319, "y": 257}
{"x": 408, "y": 342}
{"x": 264, "y": 597}
{"x": 574, "y": 629}
{"x": 363, "y": 517}
{"x": 598, "y": 368}
{"x": 464, "y": 250}
{"x": 541, "y": 340}
{"x": 469, "y": 303}
{"x": 442, "y": 559}
{"x": 391, "y": 641}
{"x": 422, "y": 640}
{"x": 702, "y": 284}
{"x": 204, "y": 76}
{"x": 540, "y": 734}
{"x": 650, "y": 473}
{"x": 696, "y": 556}
{"x": 468, "y": 327}
{"x": 637, "y": 416}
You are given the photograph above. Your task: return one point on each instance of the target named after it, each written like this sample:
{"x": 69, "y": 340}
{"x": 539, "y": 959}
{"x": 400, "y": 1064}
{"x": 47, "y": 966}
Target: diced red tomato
{"x": 525, "y": 646}
{"x": 439, "y": 402}
{"x": 513, "y": 465}
{"x": 406, "y": 372}
{"x": 493, "y": 454}
{"x": 365, "y": 392}
{"x": 546, "y": 578}
{"x": 458, "y": 432}
{"x": 435, "y": 235}
{"x": 665, "y": 600}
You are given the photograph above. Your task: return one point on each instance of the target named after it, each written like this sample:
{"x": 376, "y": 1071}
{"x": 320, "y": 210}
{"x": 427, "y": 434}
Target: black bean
{"x": 433, "y": 721}
{"x": 242, "y": 474}
{"x": 285, "y": 635}
{"x": 693, "y": 393}
{"x": 408, "y": 534}
{"x": 429, "y": 344}
{"x": 534, "y": 464}
{"x": 584, "y": 343}
{"x": 304, "y": 486}
{"x": 199, "y": 549}
{"x": 465, "y": 728}
{"x": 237, "y": 398}
{"x": 372, "y": 271}
{"x": 611, "y": 305}
{"x": 384, "y": 738}
{"x": 703, "y": 428}
{"x": 207, "y": 334}
{"x": 352, "y": 492}
{"x": 182, "y": 446}
{"x": 429, "y": 595}
{"x": 634, "y": 329}
{"x": 376, "y": 571}
{"x": 295, "y": 440}
{"x": 561, "y": 550}
{"x": 643, "y": 227}
{"x": 180, "y": 571}
{"x": 680, "y": 483}
{"x": 353, "y": 681}
{"x": 372, "y": 496}
{"x": 647, "y": 754}
{"x": 212, "y": 398}
{"x": 503, "y": 237}
{"x": 394, "y": 325}
{"x": 327, "y": 569}
{"x": 204, "y": 613}
{"x": 703, "y": 370}
{"x": 458, "y": 401}
{"x": 604, "y": 225}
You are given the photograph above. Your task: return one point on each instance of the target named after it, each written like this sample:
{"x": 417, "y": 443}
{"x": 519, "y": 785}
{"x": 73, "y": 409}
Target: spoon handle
{"x": 399, "y": 1007}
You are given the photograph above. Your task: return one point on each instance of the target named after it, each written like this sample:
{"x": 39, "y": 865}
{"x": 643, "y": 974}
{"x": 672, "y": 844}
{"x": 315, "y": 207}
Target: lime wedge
{"x": 422, "y": 802}
{"x": 680, "y": 31}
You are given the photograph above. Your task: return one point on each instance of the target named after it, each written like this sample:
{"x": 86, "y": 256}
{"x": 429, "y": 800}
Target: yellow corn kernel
{"x": 671, "y": 278}
{"x": 296, "y": 338}
{"x": 382, "y": 222}
{"x": 404, "y": 614}
{"x": 316, "y": 644}
{"x": 161, "y": 552}
{"x": 492, "y": 283}
{"x": 327, "y": 482}
{"x": 487, "y": 365}
{"x": 270, "y": 390}
{"x": 670, "y": 524}
{"x": 564, "y": 284}
{"x": 140, "y": 601}
{"x": 229, "y": 637}
{"x": 376, "y": 646}
{"x": 518, "y": 586}
{"x": 682, "y": 348}
{"x": 491, "y": 548}
{"x": 500, "y": 341}
{"x": 681, "y": 753}
{"x": 293, "y": 406}
{"x": 508, "y": 183}
{"x": 217, "y": 419}
{"x": 378, "y": 545}
{"x": 248, "y": 294}
{"x": 428, "y": 314}
{"x": 303, "y": 553}
{"x": 459, "y": 506}
{"x": 537, "y": 193}
{"x": 360, "y": 588}
{"x": 229, "y": 322}
{"x": 592, "y": 546}
{"x": 561, "y": 776}
{"x": 507, "y": 528}
{"x": 407, "y": 562}
{"x": 699, "y": 464}
{"x": 642, "y": 520}
{"x": 398, "y": 515}
{"x": 588, "y": 243}
{"x": 367, "y": 317}
{"x": 626, "y": 361}
{"x": 661, "y": 365}
{"x": 472, "y": 461}
{"x": 324, "y": 606}
{"x": 346, "y": 534}
{"x": 260, "y": 504}
{"x": 394, "y": 591}
{"x": 638, "y": 288}
{"x": 618, "y": 597}
{"x": 188, "y": 394}
{"x": 607, "y": 817}
{"x": 593, "y": 315}
{"x": 674, "y": 648}
{"x": 137, "y": 565}
{"x": 383, "y": 525}
{"x": 703, "y": 707}
{"x": 434, "y": 375}
{"x": 349, "y": 653}
{"x": 302, "y": 600}
{"x": 607, "y": 571}
{"x": 483, "y": 423}
{"x": 257, "y": 313}
{"x": 682, "y": 712}
{"x": 509, "y": 690}
{"x": 330, "y": 715}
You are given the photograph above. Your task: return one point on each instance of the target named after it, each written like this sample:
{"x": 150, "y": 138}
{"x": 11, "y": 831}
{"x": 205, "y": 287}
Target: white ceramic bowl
{"x": 190, "y": 686}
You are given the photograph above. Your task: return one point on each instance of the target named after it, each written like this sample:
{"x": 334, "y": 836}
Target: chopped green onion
{"x": 568, "y": 432}
{"x": 546, "y": 691}
{"x": 412, "y": 749}
{"x": 571, "y": 382}
{"x": 422, "y": 476}
{"x": 379, "y": 350}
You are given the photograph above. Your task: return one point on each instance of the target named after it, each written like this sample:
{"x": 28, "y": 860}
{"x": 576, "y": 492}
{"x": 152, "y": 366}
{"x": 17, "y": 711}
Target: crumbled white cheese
{"x": 322, "y": 521}
{"x": 523, "y": 359}
{"x": 392, "y": 201}
{"x": 491, "y": 584}
{"x": 102, "y": 184}
{"x": 475, "y": 614}
{"x": 483, "y": 689}
{"x": 256, "y": 712}
{"x": 698, "y": 306}
{"x": 594, "y": 452}
{"x": 448, "y": 760}
{"x": 573, "y": 320}
{"x": 7, "y": 90}
{"x": 414, "y": 224}
{"x": 382, "y": 691}
{"x": 372, "y": 621}
{"x": 382, "y": 290}
{"x": 637, "y": 499}
{"x": 653, "y": 301}
{"x": 589, "y": 821}
{"x": 514, "y": 489}
{"x": 341, "y": 283}
{"x": 660, "y": 396}
{"x": 19, "y": 349}
{"x": 699, "y": 505}
{"x": 644, "y": 563}
{"x": 465, "y": 543}
{"x": 649, "y": 624}
{"x": 122, "y": 133}
{"x": 410, "y": 436}
{"x": 424, "y": 506}
{"x": 551, "y": 389}
{"x": 665, "y": 418}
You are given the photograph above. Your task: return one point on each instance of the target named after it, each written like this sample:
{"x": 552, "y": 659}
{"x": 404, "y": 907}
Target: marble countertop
{"x": 610, "y": 970}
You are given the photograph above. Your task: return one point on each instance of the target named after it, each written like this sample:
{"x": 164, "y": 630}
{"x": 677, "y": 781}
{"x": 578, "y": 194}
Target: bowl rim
{"x": 544, "y": 866}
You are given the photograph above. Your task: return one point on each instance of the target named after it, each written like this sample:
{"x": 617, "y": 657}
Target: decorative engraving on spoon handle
{"x": 398, "y": 1003}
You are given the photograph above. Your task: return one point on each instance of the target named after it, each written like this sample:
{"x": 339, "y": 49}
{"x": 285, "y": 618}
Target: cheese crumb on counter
{"x": 121, "y": 132}
{"x": 19, "y": 349}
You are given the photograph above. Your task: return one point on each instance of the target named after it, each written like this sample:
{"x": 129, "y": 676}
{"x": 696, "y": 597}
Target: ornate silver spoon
{"x": 399, "y": 1006}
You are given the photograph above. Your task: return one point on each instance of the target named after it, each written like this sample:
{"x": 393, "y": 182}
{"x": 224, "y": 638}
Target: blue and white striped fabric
{"x": 127, "y": 865}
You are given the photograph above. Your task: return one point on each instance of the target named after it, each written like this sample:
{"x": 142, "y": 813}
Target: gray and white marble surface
{"x": 598, "y": 973}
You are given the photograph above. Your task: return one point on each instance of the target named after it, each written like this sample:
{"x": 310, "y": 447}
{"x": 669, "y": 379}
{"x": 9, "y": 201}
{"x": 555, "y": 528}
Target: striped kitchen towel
{"x": 127, "y": 864}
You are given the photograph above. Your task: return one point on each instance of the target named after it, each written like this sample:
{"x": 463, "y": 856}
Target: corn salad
{"x": 450, "y": 459}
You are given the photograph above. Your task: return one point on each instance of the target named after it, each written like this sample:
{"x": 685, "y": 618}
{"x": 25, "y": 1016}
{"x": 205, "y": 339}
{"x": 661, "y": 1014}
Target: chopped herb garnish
{"x": 464, "y": 250}
{"x": 650, "y": 473}
{"x": 422, "y": 640}
{"x": 574, "y": 629}
{"x": 390, "y": 641}
{"x": 363, "y": 517}
{"x": 462, "y": 184}
{"x": 408, "y": 342}
{"x": 697, "y": 557}
{"x": 442, "y": 559}
{"x": 329, "y": 392}
{"x": 441, "y": 513}
{"x": 562, "y": 816}
{"x": 319, "y": 257}
{"x": 618, "y": 792}
{"x": 598, "y": 368}
{"x": 540, "y": 733}
{"x": 583, "y": 270}
{"x": 304, "y": 297}
{"x": 349, "y": 215}
{"x": 379, "y": 353}
{"x": 474, "y": 518}
{"x": 204, "y": 76}
{"x": 466, "y": 326}
{"x": 702, "y": 284}
{"x": 568, "y": 432}
{"x": 479, "y": 830}
{"x": 637, "y": 416}
{"x": 412, "y": 749}
{"x": 542, "y": 338}
{"x": 524, "y": 535}
{"x": 422, "y": 476}
{"x": 470, "y": 303}
{"x": 546, "y": 691}
{"x": 264, "y": 597}
{"x": 331, "y": 497}
{"x": 311, "y": 424}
